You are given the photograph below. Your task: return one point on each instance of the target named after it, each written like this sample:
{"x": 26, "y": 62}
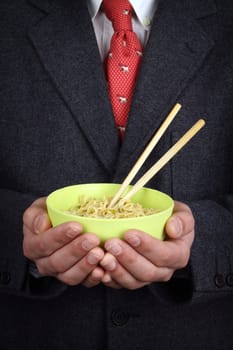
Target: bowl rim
{"x": 92, "y": 219}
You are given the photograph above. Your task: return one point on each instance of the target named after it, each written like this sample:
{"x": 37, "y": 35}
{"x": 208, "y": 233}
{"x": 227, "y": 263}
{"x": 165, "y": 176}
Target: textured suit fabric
{"x": 57, "y": 129}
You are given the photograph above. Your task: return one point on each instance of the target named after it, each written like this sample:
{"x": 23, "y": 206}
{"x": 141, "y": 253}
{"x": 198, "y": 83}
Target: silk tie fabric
{"x": 123, "y": 59}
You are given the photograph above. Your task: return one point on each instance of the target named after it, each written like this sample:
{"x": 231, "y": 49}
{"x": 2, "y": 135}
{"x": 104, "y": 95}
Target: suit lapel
{"x": 175, "y": 51}
{"x": 66, "y": 44}
{"x": 67, "y": 47}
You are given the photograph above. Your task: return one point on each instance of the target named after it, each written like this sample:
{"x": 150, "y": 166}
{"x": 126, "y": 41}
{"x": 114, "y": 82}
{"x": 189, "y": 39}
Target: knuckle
{"x": 131, "y": 260}
{"x": 42, "y": 247}
{"x": 72, "y": 227}
{"x": 165, "y": 259}
{"x": 27, "y": 214}
{"x": 55, "y": 264}
{"x": 60, "y": 239}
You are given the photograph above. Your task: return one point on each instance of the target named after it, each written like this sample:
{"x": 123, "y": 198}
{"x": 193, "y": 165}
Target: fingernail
{"x": 72, "y": 231}
{"x": 177, "y": 225}
{"x": 114, "y": 248}
{"x": 110, "y": 266}
{"x": 134, "y": 241}
{"x": 93, "y": 259}
{"x": 37, "y": 223}
{"x": 107, "y": 278}
{"x": 87, "y": 245}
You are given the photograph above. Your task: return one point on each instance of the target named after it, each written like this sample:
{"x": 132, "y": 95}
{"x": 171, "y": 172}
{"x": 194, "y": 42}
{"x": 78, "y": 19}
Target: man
{"x": 57, "y": 129}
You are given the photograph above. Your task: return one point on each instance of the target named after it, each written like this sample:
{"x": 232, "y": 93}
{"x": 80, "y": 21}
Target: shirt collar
{"x": 144, "y": 10}
{"x": 94, "y": 6}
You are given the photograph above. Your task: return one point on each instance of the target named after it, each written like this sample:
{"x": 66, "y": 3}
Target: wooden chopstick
{"x": 164, "y": 159}
{"x": 146, "y": 153}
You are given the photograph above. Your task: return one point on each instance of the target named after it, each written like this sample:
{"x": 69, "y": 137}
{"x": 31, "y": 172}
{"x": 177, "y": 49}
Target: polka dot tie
{"x": 123, "y": 59}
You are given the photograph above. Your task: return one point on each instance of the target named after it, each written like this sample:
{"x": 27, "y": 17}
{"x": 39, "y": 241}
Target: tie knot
{"x": 119, "y": 12}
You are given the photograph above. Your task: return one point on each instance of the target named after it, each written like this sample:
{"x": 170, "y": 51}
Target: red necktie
{"x": 123, "y": 59}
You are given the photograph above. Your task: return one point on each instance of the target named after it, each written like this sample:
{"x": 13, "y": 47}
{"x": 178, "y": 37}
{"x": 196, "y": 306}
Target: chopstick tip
{"x": 202, "y": 122}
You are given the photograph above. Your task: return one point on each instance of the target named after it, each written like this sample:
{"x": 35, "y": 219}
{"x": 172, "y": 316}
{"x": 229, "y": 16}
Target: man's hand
{"x": 137, "y": 260}
{"x": 63, "y": 251}
{"x": 140, "y": 259}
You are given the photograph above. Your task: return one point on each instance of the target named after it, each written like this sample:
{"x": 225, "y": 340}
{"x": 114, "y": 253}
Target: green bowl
{"x": 63, "y": 199}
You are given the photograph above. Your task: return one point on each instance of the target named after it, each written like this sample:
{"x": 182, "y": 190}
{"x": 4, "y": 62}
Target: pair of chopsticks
{"x": 160, "y": 163}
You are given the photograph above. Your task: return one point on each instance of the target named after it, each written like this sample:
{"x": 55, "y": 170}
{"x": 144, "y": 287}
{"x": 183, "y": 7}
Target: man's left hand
{"x": 139, "y": 259}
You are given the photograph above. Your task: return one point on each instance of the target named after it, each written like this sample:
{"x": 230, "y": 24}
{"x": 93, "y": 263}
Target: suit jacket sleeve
{"x": 209, "y": 273}
{"x": 14, "y": 267}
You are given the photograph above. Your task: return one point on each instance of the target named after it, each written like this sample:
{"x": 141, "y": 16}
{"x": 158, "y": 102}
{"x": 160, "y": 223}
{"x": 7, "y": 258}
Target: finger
{"x": 46, "y": 243}
{"x": 136, "y": 264}
{"x": 36, "y": 217}
{"x": 109, "y": 282}
{"x": 79, "y": 272}
{"x": 109, "y": 264}
{"x": 172, "y": 254}
{"x": 119, "y": 275}
{"x": 94, "y": 278}
{"x": 67, "y": 256}
{"x": 181, "y": 222}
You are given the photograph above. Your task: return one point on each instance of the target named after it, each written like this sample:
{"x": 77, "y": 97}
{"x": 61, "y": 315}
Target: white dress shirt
{"x": 144, "y": 11}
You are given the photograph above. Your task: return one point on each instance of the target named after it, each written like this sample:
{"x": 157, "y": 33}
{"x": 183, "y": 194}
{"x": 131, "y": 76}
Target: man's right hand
{"x": 62, "y": 251}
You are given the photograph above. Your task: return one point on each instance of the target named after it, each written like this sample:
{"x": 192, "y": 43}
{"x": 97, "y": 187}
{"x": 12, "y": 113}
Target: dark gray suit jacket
{"x": 57, "y": 129}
